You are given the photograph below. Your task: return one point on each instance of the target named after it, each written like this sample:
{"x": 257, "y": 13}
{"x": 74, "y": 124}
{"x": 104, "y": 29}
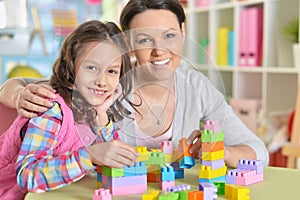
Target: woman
{"x": 168, "y": 101}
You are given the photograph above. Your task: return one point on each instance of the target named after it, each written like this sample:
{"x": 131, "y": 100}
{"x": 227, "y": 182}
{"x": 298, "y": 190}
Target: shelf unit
{"x": 275, "y": 83}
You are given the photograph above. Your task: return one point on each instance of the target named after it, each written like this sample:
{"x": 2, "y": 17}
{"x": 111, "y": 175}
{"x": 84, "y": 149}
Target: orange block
{"x": 195, "y": 195}
{"x": 212, "y": 146}
{"x": 183, "y": 148}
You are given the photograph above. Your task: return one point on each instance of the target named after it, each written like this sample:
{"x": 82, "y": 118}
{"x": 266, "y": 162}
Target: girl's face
{"x": 157, "y": 41}
{"x": 97, "y": 71}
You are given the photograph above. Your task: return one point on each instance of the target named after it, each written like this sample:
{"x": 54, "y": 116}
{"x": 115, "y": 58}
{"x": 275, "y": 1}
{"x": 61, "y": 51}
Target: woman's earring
{"x": 132, "y": 59}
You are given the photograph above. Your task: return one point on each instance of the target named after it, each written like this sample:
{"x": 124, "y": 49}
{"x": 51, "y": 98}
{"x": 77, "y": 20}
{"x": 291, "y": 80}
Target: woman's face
{"x": 97, "y": 71}
{"x": 157, "y": 41}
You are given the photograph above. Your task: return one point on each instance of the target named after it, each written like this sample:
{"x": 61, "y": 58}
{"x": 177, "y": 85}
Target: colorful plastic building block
{"x": 112, "y": 172}
{"x": 220, "y": 187}
{"x": 212, "y": 146}
{"x": 167, "y": 147}
{"x": 183, "y": 148}
{"x": 208, "y": 173}
{"x": 209, "y": 191}
{"x": 168, "y": 196}
{"x": 256, "y": 165}
{"x": 156, "y": 158}
{"x": 215, "y": 155}
{"x": 210, "y": 136}
{"x": 167, "y": 173}
{"x": 101, "y": 194}
{"x": 195, "y": 195}
{"x": 144, "y": 154}
{"x": 186, "y": 162}
{"x": 236, "y": 192}
{"x": 150, "y": 195}
{"x": 179, "y": 188}
{"x": 214, "y": 164}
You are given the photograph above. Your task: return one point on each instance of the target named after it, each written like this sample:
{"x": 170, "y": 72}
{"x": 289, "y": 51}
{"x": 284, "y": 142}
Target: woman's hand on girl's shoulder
{"x": 34, "y": 98}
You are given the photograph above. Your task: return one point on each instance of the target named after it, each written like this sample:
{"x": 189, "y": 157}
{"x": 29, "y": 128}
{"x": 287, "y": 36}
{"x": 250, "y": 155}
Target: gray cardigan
{"x": 197, "y": 99}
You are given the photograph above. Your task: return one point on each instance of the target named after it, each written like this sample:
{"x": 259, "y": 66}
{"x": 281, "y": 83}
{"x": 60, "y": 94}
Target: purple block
{"x": 179, "y": 188}
{"x": 209, "y": 190}
{"x": 256, "y": 165}
{"x": 126, "y": 181}
{"x": 231, "y": 176}
{"x": 215, "y": 164}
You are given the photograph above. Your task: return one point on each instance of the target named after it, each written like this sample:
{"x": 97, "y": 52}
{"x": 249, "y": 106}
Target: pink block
{"x": 249, "y": 177}
{"x": 166, "y": 184}
{"x": 102, "y": 194}
{"x": 167, "y": 147}
{"x": 125, "y": 190}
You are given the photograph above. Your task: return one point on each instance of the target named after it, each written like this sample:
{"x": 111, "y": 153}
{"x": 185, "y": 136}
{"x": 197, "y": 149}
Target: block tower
{"x": 213, "y": 167}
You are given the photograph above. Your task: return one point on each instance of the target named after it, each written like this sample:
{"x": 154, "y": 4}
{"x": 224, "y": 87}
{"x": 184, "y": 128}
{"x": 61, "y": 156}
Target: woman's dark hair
{"x": 135, "y": 7}
{"x": 63, "y": 77}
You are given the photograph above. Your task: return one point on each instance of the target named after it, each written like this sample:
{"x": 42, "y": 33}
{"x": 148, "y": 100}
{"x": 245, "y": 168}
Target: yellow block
{"x": 236, "y": 192}
{"x": 207, "y": 173}
{"x": 216, "y": 155}
{"x": 169, "y": 157}
{"x": 144, "y": 154}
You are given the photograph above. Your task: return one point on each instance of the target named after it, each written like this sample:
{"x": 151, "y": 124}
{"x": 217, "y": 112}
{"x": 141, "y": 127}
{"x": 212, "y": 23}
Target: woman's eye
{"x": 144, "y": 40}
{"x": 170, "y": 35}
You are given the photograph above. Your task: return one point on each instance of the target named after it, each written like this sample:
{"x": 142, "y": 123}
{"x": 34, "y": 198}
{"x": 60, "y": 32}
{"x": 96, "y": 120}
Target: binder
{"x": 222, "y": 49}
{"x": 242, "y": 55}
{"x": 231, "y": 48}
{"x": 255, "y": 19}
{"x": 203, "y": 52}
{"x": 203, "y": 3}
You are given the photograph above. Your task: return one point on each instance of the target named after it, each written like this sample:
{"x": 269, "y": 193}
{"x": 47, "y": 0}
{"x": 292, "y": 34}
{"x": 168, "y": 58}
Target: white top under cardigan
{"x": 197, "y": 99}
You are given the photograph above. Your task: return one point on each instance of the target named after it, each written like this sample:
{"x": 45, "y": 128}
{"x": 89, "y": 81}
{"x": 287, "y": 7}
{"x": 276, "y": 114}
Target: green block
{"x": 221, "y": 187}
{"x": 209, "y": 136}
{"x": 112, "y": 172}
{"x": 184, "y": 195}
{"x": 168, "y": 196}
{"x": 156, "y": 158}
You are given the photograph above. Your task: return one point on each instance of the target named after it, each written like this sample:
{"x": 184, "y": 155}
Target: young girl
{"x": 61, "y": 145}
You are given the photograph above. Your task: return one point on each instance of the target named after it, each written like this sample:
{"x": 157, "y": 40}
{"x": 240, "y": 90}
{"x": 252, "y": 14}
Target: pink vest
{"x": 71, "y": 137}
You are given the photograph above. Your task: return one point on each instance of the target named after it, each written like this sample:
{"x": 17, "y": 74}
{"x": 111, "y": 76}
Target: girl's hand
{"x": 102, "y": 118}
{"x": 113, "y": 154}
{"x": 33, "y": 99}
{"x": 110, "y": 100}
{"x": 195, "y": 140}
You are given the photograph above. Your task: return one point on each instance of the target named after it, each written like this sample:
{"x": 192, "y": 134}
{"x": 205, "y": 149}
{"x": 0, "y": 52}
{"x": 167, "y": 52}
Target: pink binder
{"x": 242, "y": 57}
{"x": 255, "y": 33}
{"x": 203, "y": 3}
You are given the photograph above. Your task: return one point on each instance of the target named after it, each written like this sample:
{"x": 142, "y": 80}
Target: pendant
{"x": 158, "y": 121}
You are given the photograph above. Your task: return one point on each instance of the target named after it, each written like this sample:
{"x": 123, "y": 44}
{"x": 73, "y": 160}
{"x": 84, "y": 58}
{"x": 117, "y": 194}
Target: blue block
{"x": 179, "y": 173}
{"x": 141, "y": 168}
{"x": 129, "y": 171}
{"x": 167, "y": 173}
{"x": 186, "y": 162}
{"x": 99, "y": 177}
{"x": 204, "y": 180}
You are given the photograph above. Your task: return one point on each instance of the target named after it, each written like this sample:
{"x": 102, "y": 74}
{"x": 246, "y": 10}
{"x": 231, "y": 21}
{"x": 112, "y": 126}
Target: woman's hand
{"x": 113, "y": 154}
{"x": 34, "y": 98}
{"x": 195, "y": 140}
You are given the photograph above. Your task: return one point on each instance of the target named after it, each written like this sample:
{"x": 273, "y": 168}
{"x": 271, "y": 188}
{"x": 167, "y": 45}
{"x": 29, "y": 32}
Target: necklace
{"x": 158, "y": 118}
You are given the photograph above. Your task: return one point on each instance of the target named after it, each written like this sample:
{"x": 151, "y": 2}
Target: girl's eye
{"x": 112, "y": 71}
{"x": 91, "y": 68}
